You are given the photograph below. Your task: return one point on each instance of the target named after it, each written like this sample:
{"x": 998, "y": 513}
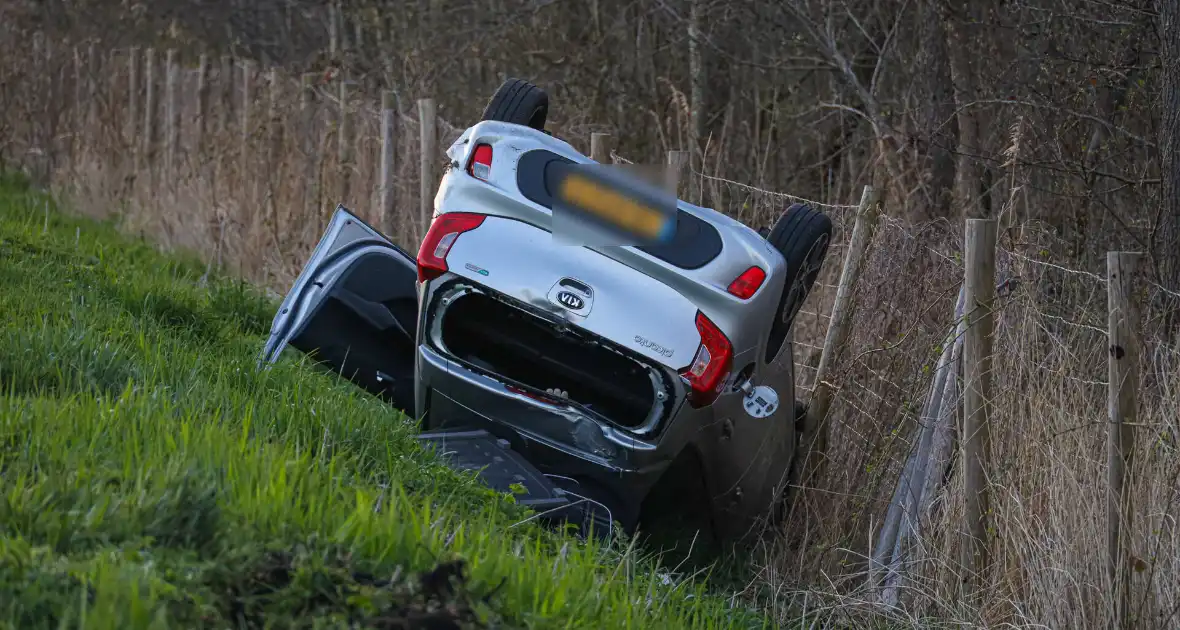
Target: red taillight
{"x": 748, "y": 283}
{"x": 432, "y": 255}
{"x": 713, "y": 361}
{"x": 481, "y": 162}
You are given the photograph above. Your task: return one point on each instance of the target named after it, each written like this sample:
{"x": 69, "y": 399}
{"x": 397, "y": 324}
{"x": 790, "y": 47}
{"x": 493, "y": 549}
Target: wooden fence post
{"x": 979, "y": 283}
{"x": 344, "y": 145}
{"x": 600, "y": 148}
{"x": 388, "y": 160}
{"x": 812, "y": 445}
{"x": 149, "y": 117}
{"x": 1123, "y": 385}
{"x": 428, "y": 143}
{"x": 171, "y": 113}
{"x": 202, "y": 104}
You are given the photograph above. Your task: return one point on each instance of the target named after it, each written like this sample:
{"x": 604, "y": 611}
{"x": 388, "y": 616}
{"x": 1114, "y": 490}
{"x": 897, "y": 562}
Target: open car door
{"x": 354, "y": 310}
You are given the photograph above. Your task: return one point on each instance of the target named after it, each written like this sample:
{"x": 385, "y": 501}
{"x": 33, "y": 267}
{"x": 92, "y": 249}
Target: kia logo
{"x": 570, "y": 301}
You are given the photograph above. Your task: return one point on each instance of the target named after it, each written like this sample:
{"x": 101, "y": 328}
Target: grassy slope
{"x": 150, "y": 475}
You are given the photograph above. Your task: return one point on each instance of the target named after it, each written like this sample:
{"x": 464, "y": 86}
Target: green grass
{"x": 151, "y": 477}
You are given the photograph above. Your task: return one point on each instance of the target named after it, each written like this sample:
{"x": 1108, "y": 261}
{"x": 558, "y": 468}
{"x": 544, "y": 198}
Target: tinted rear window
{"x": 695, "y": 244}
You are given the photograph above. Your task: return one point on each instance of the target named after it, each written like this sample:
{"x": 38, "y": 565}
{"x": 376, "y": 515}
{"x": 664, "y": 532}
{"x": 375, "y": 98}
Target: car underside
{"x": 548, "y": 359}
{"x": 616, "y": 384}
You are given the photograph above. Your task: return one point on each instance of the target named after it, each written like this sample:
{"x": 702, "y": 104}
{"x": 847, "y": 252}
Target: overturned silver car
{"x": 636, "y": 380}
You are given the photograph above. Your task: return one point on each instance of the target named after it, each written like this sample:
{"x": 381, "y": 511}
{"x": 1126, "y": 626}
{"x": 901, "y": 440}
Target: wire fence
{"x": 247, "y": 173}
{"x": 1050, "y": 415}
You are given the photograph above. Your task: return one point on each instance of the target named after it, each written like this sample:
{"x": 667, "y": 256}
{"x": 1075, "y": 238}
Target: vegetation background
{"x": 1059, "y": 119}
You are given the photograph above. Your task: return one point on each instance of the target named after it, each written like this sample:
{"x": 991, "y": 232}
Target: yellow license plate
{"x": 613, "y": 206}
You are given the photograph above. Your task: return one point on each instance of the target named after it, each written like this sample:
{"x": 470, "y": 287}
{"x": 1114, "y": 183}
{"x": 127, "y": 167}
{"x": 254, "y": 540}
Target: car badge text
{"x": 651, "y": 345}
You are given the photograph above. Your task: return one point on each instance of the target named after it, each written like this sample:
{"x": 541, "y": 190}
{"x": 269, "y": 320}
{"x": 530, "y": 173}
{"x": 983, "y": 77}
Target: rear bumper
{"x": 557, "y": 440}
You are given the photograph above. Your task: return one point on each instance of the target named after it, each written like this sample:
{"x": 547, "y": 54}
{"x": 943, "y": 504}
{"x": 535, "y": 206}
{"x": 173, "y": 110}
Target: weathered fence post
{"x": 149, "y": 117}
{"x": 980, "y": 290}
{"x": 813, "y": 443}
{"x": 428, "y": 142}
{"x": 1123, "y": 385}
{"x": 600, "y": 147}
{"x": 171, "y": 113}
{"x": 202, "y": 104}
{"x": 388, "y": 160}
{"x": 344, "y": 145}
{"x": 924, "y": 469}
{"x": 680, "y": 161}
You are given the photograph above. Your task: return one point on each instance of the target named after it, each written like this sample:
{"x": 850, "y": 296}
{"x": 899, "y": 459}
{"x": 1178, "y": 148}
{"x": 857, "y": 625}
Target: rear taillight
{"x": 480, "y": 166}
{"x": 713, "y": 362}
{"x": 446, "y": 228}
{"x": 748, "y": 283}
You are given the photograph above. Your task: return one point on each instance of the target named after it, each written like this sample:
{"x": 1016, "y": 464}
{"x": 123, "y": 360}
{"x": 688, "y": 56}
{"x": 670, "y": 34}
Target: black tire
{"x": 520, "y": 102}
{"x": 802, "y": 235}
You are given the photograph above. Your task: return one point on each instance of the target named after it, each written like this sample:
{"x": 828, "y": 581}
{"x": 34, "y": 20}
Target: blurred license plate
{"x": 621, "y": 205}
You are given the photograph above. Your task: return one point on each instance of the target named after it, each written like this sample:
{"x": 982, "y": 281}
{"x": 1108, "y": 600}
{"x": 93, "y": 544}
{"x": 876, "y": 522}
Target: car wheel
{"x": 520, "y": 102}
{"x": 802, "y": 235}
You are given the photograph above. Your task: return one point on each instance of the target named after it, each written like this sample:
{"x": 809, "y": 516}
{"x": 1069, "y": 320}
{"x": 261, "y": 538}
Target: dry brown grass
{"x": 260, "y": 218}
{"x": 256, "y": 199}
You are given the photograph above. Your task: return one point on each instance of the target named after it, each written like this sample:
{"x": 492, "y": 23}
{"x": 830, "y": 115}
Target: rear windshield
{"x": 695, "y": 244}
